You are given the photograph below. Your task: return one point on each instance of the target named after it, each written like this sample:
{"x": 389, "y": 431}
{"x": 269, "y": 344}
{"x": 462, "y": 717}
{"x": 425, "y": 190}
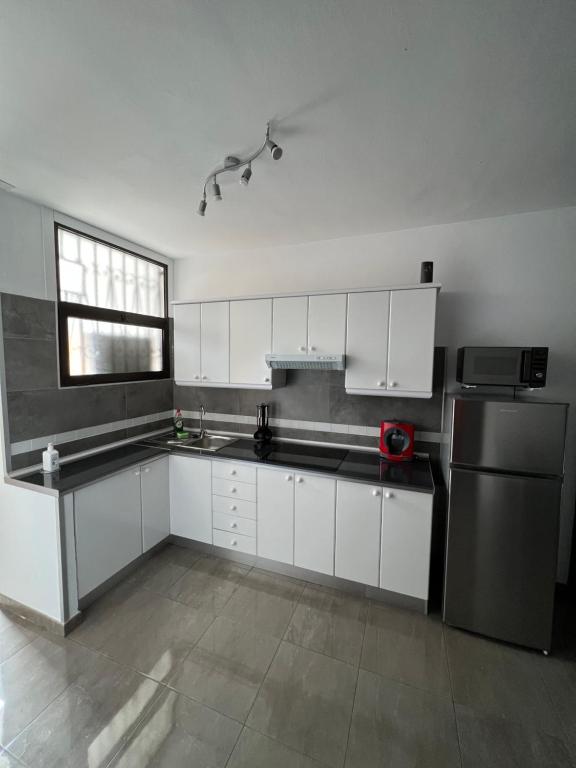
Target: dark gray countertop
{"x": 360, "y": 466}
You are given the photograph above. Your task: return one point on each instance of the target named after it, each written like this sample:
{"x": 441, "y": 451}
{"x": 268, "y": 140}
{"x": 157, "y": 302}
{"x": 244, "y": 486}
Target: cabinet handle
{"x": 266, "y": 378}
{"x": 380, "y": 383}
{"x": 299, "y": 479}
{"x": 233, "y": 507}
{"x": 232, "y": 471}
{"x": 393, "y": 383}
{"x": 146, "y": 469}
{"x": 232, "y": 490}
{"x": 301, "y": 349}
{"x": 375, "y": 492}
{"x": 288, "y": 477}
{"x": 388, "y": 495}
{"x": 234, "y": 543}
{"x": 204, "y": 378}
{"x": 312, "y": 349}
{"x": 233, "y": 525}
{"x": 196, "y": 377}
{"x": 137, "y": 472}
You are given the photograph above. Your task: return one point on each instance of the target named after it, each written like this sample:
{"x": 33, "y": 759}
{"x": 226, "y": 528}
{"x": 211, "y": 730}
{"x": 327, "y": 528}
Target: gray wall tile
{"x": 145, "y": 397}
{"x": 23, "y": 316}
{"x": 30, "y": 364}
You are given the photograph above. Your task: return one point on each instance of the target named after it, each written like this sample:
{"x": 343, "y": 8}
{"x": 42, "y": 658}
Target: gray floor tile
{"x": 8, "y": 761}
{"x": 209, "y": 583}
{"x": 97, "y": 618}
{"x": 14, "y": 635}
{"x": 179, "y": 733}
{"x": 254, "y": 750}
{"x": 306, "y": 702}
{"x": 183, "y": 556}
{"x": 330, "y": 622}
{"x": 501, "y": 680}
{"x": 399, "y": 726}
{"x": 265, "y": 601}
{"x": 157, "y": 575}
{"x": 487, "y": 741}
{"x": 559, "y": 676}
{"x": 89, "y": 721}
{"x": 406, "y": 646}
{"x": 147, "y": 632}
{"x": 32, "y": 678}
{"x": 225, "y": 669}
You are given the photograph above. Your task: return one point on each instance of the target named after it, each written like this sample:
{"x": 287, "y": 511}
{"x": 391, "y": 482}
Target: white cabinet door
{"x": 250, "y": 341}
{"x": 406, "y": 539}
{"x": 327, "y": 324}
{"x": 276, "y": 515}
{"x": 191, "y": 498}
{"x": 215, "y": 342}
{"x": 411, "y": 340}
{"x": 187, "y": 342}
{"x": 367, "y": 340}
{"x": 358, "y": 522}
{"x": 290, "y": 325}
{"x": 314, "y": 508}
{"x": 108, "y": 523}
{"x": 155, "y": 486}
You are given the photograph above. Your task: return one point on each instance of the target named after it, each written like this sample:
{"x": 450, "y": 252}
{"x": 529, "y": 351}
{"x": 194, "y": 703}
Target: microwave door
{"x": 509, "y": 435}
{"x": 494, "y": 366}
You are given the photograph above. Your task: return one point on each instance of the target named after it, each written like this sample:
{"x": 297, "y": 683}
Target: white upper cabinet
{"x": 276, "y": 515}
{"x": 290, "y": 325}
{"x": 411, "y": 340}
{"x": 367, "y": 340}
{"x": 187, "y": 343}
{"x": 327, "y": 324}
{"x": 406, "y": 539}
{"x": 215, "y": 342}
{"x": 250, "y": 342}
{"x": 358, "y": 521}
{"x": 314, "y": 510}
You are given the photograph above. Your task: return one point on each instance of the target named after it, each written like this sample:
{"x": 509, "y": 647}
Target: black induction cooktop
{"x": 314, "y": 457}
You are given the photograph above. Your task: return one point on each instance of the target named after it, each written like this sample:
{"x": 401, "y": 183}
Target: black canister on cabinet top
{"x": 426, "y": 271}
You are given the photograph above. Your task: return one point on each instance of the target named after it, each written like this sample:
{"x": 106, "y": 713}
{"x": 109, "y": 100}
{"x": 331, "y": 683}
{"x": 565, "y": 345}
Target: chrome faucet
{"x": 202, "y": 415}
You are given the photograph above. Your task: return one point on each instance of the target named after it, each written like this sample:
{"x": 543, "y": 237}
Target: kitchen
{"x": 246, "y": 546}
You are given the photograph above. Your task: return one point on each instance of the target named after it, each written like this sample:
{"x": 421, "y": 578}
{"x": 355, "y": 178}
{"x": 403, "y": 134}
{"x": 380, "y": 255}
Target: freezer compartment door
{"x": 501, "y": 556}
{"x": 509, "y": 435}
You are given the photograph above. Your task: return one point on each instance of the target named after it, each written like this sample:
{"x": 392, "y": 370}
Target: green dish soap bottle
{"x": 179, "y": 424}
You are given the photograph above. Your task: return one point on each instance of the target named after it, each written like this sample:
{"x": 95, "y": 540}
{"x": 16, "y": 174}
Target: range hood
{"x": 306, "y": 362}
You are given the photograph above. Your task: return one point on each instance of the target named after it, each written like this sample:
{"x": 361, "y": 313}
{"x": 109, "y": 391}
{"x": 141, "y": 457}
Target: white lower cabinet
{"x": 108, "y": 527}
{"x": 155, "y": 489}
{"x": 406, "y": 539}
{"x": 358, "y": 522}
{"x": 191, "y": 498}
{"x": 314, "y": 508}
{"x": 276, "y": 515}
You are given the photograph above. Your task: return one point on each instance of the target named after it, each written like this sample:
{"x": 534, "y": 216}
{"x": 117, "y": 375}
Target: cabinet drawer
{"x": 234, "y": 524}
{"x": 237, "y": 507}
{"x": 235, "y": 541}
{"x": 227, "y": 470}
{"x": 233, "y": 489}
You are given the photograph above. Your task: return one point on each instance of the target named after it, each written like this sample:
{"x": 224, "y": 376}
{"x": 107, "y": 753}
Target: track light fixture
{"x": 245, "y": 178}
{"x": 232, "y": 163}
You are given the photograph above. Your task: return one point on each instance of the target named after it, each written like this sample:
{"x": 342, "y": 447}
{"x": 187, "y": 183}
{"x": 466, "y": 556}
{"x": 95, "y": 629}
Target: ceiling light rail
{"x": 233, "y": 163}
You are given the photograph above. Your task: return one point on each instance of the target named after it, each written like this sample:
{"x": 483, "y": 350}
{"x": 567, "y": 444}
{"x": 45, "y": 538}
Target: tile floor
{"x": 198, "y": 662}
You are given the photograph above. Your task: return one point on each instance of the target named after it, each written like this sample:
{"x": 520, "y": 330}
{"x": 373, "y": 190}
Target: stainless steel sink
{"x": 206, "y": 443}
{"x": 182, "y": 441}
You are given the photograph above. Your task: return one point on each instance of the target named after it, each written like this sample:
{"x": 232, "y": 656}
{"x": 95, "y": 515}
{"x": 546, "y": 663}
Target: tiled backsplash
{"x": 312, "y": 406}
{"x": 77, "y": 417}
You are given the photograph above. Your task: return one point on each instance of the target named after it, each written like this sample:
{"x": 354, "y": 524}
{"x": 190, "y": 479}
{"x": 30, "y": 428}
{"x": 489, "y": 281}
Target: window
{"x": 112, "y": 312}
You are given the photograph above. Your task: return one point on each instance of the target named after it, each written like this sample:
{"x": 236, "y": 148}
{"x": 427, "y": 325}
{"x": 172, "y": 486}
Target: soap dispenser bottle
{"x": 50, "y": 459}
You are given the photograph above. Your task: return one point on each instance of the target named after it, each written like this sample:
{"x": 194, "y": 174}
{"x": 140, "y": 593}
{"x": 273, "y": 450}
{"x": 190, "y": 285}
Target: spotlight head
{"x": 275, "y": 150}
{"x": 202, "y": 207}
{"x": 216, "y": 190}
{"x": 246, "y": 176}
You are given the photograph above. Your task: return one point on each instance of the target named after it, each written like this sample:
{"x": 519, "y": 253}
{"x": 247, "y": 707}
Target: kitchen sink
{"x": 195, "y": 442}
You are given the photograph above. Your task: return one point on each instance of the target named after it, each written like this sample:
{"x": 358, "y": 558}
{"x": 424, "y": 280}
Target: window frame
{"x": 68, "y": 309}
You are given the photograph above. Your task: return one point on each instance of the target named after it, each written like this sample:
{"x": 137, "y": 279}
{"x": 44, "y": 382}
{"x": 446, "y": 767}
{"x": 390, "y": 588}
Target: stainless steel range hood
{"x": 306, "y": 362}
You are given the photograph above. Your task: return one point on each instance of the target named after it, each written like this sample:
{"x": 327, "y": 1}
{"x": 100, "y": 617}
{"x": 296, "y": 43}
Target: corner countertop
{"x": 340, "y": 463}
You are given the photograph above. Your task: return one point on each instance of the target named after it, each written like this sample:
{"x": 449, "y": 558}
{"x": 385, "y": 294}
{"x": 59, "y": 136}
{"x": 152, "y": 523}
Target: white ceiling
{"x": 392, "y": 113}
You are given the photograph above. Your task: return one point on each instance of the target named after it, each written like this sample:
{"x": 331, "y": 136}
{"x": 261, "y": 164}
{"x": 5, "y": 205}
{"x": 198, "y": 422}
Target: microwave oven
{"x": 502, "y": 366}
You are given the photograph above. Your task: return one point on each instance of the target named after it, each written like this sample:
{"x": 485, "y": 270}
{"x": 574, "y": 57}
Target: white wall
{"x": 505, "y": 281}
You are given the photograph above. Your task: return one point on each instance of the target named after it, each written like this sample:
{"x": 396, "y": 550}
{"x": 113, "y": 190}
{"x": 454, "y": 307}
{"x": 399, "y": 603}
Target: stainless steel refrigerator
{"x": 505, "y": 479}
